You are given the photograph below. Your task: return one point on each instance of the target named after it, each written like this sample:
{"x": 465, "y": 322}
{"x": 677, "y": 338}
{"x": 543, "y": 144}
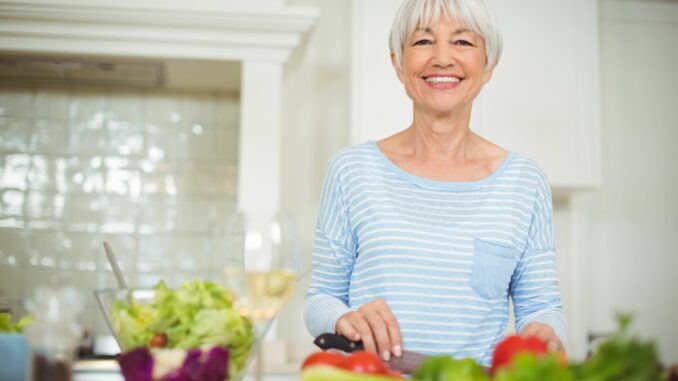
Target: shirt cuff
{"x": 322, "y": 313}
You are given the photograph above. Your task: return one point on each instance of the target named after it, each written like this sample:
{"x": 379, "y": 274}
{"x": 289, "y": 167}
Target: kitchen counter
{"x": 107, "y": 370}
{"x": 96, "y": 370}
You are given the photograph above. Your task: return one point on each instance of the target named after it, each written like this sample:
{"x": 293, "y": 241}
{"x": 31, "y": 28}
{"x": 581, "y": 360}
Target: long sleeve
{"x": 534, "y": 285}
{"x": 333, "y": 257}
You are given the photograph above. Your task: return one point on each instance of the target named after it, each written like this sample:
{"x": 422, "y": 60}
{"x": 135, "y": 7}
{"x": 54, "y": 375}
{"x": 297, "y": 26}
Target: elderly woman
{"x": 422, "y": 237}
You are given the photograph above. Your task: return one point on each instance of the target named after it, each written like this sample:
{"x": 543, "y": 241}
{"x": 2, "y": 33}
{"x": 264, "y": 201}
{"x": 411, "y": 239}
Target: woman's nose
{"x": 444, "y": 55}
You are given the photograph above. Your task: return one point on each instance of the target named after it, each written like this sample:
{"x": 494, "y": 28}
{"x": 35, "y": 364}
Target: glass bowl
{"x": 109, "y": 298}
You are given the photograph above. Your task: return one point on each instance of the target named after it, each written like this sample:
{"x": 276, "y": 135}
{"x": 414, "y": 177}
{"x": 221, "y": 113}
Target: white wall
{"x": 625, "y": 241}
{"x": 315, "y": 125}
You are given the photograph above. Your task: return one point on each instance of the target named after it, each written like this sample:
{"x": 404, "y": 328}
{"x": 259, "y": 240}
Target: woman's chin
{"x": 445, "y": 108}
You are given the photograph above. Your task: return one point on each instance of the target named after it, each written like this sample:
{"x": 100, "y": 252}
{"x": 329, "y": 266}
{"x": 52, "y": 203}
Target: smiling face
{"x": 443, "y": 68}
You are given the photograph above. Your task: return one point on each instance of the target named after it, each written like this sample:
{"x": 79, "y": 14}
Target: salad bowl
{"x": 170, "y": 325}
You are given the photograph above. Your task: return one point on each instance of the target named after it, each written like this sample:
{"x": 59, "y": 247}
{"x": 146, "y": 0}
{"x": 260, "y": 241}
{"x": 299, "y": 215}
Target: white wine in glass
{"x": 260, "y": 295}
{"x": 264, "y": 282}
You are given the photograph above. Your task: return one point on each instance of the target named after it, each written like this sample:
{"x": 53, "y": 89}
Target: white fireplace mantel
{"x": 260, "y": 34}
{"x": 226, "y": 30}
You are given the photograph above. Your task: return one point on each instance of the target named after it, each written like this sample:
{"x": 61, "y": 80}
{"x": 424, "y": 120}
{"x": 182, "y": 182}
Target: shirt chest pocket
{"x": 493, "y": 265}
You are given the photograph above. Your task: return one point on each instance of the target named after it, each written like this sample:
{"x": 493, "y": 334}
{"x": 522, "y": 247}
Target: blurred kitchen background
{"x": 148, "y": 124}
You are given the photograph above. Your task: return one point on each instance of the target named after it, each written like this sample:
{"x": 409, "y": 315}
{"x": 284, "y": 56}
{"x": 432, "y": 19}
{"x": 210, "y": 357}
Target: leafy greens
{"x": 6, "y": 325}
{"x": 200, "y": 313}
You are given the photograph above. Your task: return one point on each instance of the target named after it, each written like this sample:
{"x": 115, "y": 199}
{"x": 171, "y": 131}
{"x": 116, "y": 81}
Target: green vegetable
{"x": 528, "y": 367}
{"x": 199, "y": 313}
{"x": 465, "y": 370}
{"x": 432, "y": 369}
{"x": 622, "y": 358}
{"x": 445, "y": 368}
{"x": 6, "y": 325}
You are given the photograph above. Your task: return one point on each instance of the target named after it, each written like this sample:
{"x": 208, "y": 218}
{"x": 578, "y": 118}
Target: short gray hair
{"x": 474, "y": 14}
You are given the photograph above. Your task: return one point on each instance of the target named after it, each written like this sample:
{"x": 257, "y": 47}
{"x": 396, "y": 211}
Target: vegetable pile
{"x": 200, "y": 314}
{"x": 6, "y": 325}
{"x": 620, "y": 358}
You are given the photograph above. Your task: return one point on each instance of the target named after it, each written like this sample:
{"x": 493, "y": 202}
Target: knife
{"x": 406, "y": 363}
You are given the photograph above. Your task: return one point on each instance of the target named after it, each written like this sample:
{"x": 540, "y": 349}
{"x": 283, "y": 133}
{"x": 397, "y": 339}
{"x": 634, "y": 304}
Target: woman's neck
{"x": 440, "y": 138}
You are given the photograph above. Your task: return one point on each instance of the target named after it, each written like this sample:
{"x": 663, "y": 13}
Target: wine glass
{"x": 264, "y": 282}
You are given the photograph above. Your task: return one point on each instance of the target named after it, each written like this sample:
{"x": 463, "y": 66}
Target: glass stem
{"x": 260, "y": 363}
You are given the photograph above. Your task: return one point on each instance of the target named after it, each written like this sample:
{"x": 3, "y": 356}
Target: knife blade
{"x": 406, "y": 363}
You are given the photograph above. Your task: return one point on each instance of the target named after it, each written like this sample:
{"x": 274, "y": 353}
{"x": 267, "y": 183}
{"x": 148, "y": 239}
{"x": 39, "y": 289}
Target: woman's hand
{"x": 546, "y": 333}
{"x": 375, "y": 325}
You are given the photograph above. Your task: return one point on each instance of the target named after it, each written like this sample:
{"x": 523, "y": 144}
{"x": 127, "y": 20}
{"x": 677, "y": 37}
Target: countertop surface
{"x": 107, "y": 370}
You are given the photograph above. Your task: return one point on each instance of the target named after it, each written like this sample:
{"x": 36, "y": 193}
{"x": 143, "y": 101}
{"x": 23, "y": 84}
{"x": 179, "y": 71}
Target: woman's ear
{"x": 394, "y": 63}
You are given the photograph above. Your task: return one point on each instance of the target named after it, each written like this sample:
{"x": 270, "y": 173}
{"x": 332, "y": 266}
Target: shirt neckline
{"x": 428, "y": 183}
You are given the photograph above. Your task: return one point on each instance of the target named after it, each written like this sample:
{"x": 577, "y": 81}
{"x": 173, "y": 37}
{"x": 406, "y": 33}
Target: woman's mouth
{"x": 434, "y": 79}
{"x": 442, "y": 81}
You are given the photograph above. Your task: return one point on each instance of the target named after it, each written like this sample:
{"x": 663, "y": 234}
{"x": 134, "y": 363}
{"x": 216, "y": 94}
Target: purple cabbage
{"x": 192, "y": 367}
{"x": 215, "y": 367}
{"x": 137, "y": 365}
{"x": 210, "y": 366}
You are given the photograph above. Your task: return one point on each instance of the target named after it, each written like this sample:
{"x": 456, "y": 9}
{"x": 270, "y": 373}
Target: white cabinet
{"x": 541, "y": 102}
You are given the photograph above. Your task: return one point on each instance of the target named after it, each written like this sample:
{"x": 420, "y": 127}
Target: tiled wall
{"x": 154, "y": 173}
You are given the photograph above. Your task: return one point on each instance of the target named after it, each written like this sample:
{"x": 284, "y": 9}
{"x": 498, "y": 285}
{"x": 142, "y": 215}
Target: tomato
{"x": 364, "y": 362}
{"x": 159, "y": 340}
{"x": 357, "y": 362}
{"x": 324, "y": 358}
{"x": 514, "y": 344}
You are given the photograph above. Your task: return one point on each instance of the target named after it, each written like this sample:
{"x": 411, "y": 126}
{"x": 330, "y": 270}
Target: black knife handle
{"x": 334, "y": 341}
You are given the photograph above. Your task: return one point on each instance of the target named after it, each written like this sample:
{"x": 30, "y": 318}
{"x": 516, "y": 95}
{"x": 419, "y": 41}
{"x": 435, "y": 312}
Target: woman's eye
{"x": 422, "y": 42}
{"x": 463, "y": 43}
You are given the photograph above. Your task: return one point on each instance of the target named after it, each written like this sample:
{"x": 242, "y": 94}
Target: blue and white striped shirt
{"x": 445, "y": 256}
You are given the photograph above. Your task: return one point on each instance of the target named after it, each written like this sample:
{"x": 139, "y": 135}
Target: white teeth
{"x": 442, "y": 79}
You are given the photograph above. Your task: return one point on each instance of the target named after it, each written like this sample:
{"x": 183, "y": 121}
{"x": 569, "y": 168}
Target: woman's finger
{"x": 364, "y": 330}
{"x": 555, "y": 345}
{"x": 346, "y": 329}
{"x": 381, "y": 335}
{"x": 529, "y": 330}
{"x": 543, "y": 333}
{"x": 393, "y": 330}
